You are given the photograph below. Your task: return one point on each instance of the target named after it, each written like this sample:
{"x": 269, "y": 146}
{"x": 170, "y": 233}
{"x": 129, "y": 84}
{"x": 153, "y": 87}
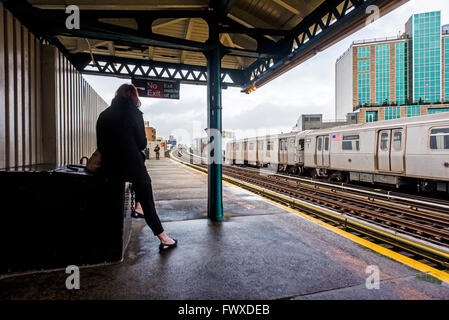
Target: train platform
{"x": 260, "y": 251}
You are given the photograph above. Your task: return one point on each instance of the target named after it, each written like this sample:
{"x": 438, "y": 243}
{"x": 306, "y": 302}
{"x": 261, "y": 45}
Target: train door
{"x": 319, "y": 151}
{"x": 326, "y": 151}
{"x": 390, "y": 150}
{"x": 245, "y": 152}
{"x": 397, "y": 150}
{"x": 322, "y": 151}
{"x": 283, "y": 151}
{"x": 383, "y": 150}
{"x": 291, "y": 151}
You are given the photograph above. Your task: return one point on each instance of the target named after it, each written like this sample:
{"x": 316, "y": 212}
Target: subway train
{"x": 408, "y": 151}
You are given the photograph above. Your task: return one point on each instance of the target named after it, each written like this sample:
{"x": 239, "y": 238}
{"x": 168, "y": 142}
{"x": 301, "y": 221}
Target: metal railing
{"x": 380, "y": 39}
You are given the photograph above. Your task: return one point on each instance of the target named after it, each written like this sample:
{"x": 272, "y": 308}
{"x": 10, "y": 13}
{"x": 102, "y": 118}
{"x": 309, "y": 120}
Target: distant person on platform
{"x": 120, "y": 141}
{"x": 156, "y": 149}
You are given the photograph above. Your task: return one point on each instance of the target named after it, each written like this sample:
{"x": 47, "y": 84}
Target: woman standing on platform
{"x": 120, "y": 141}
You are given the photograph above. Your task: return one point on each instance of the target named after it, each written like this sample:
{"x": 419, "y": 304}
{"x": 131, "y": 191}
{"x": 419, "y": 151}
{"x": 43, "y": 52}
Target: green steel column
{"x": 214, "y": 202}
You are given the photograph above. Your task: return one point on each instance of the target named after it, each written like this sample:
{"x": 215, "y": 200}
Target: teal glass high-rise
{"x": 446, "y": 69}
{"x": 425, "y": 33}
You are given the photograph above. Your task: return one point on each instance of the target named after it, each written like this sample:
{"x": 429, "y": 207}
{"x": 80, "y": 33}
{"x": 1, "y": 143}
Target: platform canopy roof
{"x": 168, "y": 39}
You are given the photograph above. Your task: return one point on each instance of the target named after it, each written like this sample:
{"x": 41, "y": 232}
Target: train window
{"x": 397, "y": 140}
{"x": 269, "y": 145}
{"x": 237, "y": 147}
{"x": 439, "y": 139}
{"x": 292, "y": 143}
{"x": 284, "y": 144}
{"x": 384, "y": 139}
{"x": 326, "y": 143}
{"x": 351, "y": 142}
{"x": 251, "y": 146}
{"x": 320, "y": 144}
{"x": 301, "y": 144}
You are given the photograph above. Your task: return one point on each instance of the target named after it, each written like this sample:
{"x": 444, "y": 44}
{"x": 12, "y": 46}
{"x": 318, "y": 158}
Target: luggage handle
{"x": 76, "y": 167}
{"x": 81, "y": 160}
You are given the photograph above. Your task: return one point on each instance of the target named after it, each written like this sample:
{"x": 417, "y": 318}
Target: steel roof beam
{"x": 104, "y": 31}
{"x": 254, "y": 31}
{"x": 222, "y": 7}
{"x": 144, "y": 69}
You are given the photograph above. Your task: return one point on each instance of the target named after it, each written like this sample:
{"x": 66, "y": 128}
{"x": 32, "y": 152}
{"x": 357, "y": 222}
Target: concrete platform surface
{"x": 260, "y": 251}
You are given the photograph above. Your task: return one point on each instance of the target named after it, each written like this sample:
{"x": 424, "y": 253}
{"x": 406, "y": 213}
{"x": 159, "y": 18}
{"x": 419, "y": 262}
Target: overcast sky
{"x": 275, "y": 107}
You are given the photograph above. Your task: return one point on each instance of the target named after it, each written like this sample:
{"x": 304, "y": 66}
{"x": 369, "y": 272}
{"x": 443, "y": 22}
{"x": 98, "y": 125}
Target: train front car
{"x": 402, "y": 152}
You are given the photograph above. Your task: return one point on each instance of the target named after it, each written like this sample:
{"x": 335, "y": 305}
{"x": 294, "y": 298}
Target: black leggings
{"x": 144, "y": 195}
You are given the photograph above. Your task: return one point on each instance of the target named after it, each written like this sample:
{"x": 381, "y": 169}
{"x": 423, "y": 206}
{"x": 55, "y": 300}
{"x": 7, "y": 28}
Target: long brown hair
{"x": 128, "y": 91}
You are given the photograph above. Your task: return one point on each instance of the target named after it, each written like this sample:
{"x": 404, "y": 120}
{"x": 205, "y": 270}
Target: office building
{"x": 407, "y": 75}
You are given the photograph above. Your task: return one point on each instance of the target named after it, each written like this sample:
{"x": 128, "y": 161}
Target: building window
{"x": 392, "y": 113}
{"x": 363, "y": 65}
{"x": 437, "y": 110}
{"x": 371, "y": 116}
{"x": 364, "y": 88}
{"x": 363, "y": 52}
{"x": 401, "y": 72}
{"x": 382, "y": 74}
{"x": 413, "y": 111}
{"x": 351, "y": 142}
{"x": 439, "y": 139}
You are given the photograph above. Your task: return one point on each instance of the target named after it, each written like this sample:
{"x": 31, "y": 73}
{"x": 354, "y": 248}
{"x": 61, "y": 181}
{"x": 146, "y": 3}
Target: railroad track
{"x": 413, "y": 226}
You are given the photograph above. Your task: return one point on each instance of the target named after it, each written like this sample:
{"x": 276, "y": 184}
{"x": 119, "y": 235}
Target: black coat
{"x": 120, "y": 140}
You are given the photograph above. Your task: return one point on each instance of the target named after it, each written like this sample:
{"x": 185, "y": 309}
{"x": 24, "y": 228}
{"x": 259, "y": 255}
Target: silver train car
{"x": 397, "y": 152}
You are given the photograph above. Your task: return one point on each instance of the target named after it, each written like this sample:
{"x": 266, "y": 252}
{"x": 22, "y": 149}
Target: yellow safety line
{"x": 441, "y": 275}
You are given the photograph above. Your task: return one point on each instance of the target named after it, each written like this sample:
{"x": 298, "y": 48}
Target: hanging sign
{"x": 157, "y": 89}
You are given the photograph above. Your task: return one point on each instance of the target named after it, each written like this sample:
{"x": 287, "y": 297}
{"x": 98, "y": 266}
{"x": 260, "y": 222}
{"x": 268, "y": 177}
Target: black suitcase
{"x": 56, "y": 216}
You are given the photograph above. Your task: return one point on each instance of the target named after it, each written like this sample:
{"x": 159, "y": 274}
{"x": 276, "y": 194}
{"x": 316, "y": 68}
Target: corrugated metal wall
{"x": 78, "y": 107}
{"x": 47, "y": 111}
{"x": 20, "y": 139}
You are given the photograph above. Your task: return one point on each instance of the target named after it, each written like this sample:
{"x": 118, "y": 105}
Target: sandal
{"x": 164, "y": 246}
{"x": 137, "y": 215}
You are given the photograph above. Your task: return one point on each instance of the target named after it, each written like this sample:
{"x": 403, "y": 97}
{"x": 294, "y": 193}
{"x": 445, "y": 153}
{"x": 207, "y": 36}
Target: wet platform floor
{"x": 260, "y": 251}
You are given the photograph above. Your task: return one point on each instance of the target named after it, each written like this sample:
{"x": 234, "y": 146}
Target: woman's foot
{"x": 165, "y": 246}
{"x": 166, "y": 242}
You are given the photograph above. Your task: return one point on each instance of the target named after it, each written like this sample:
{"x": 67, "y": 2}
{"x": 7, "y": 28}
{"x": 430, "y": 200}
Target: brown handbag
{"x": 94, "y": 162}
